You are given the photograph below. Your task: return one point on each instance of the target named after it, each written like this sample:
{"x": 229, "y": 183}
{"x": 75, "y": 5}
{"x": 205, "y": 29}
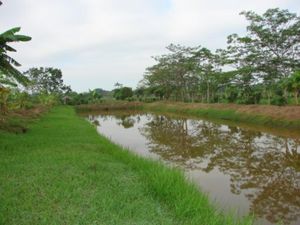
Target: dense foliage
{"x": 48, "y": 80}
{"x": 123, "y": 93}
{"x": 256, "y": 68}
{"x": 90, "y": 97}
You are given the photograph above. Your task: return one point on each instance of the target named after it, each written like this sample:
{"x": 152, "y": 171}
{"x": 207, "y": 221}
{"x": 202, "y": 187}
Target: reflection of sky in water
{"x": 127, "y": 137}
{"x": 242, "y": 169}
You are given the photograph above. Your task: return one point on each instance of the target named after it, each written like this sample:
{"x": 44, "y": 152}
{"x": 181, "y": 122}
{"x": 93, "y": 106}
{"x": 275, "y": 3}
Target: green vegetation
{"x": 47, "y": 80}
{"x": 260, "y": 68}
{"x": 9, "y": 75}
{"x": 62, "y": 172}
{"x": 293, "y": 84}
{"x": 110, "y": 105}
{"x": 254, "y": 69}
{"x": 24, "y": 90}
{"x": 122, "y": 93}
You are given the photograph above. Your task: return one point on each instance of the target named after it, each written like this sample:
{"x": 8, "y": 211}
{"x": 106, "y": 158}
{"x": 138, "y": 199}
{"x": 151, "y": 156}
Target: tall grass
{"x": 170, "y": 187}
{"x": 62, "y": 172}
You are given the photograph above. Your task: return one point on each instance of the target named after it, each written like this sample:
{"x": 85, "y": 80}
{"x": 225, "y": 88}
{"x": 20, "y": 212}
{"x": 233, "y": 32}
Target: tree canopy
{"x": 249, "y": 69}
{"x": 46, "y": 79}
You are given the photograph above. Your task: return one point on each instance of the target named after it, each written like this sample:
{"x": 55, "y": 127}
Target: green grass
{"x": 225, "y": 114}
{"x": 62, "y": 172}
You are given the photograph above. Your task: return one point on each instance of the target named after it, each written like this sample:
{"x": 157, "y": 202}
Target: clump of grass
{"x": 62, "y": 172}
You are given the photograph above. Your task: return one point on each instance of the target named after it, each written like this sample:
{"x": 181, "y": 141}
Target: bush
{"x": 232, "y": 97}
{"x": 278, "y": 100}
{"x": 150, "y": 99}
{"x": 131, "y": 99}
{"x": 123, "y": 93}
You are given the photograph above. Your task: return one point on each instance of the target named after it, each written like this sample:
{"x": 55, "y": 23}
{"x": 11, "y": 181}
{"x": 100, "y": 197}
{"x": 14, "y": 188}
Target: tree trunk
{"x": 207, "y": 93}
{"x": 285, "y": 94}
{"x": 269, "y": 97}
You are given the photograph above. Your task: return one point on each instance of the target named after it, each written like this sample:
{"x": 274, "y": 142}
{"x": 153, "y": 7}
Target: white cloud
{"x": 98, "y": 42}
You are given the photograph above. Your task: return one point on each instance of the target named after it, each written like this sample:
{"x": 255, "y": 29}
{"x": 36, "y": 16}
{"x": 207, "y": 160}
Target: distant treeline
{"x": 260, "y": 67}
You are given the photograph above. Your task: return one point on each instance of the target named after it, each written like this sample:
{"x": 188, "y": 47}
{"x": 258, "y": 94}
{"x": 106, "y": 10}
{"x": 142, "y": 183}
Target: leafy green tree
{"x": 47, "y": 80}
{"x": 270, "y": 50}
{"x": 123, "y": 93}
{"x": 159, "y": 76}
{"x": 275, "y": 35}
{"x": 184, "y": 74}
{"x": 140, "y": 91}
{"x": 261, "y": 60}
{"x": 206, "y": 66}
{"x": 172, "y": 75}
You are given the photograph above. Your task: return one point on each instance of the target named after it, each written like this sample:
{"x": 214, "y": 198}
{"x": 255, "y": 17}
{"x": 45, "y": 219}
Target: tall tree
{"x": 46, "y": 79}
{"x": 269, "y": 52}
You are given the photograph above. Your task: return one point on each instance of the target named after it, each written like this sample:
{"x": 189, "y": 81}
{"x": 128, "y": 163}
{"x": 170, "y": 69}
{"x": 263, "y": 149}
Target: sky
{"x": 97, "y": 43}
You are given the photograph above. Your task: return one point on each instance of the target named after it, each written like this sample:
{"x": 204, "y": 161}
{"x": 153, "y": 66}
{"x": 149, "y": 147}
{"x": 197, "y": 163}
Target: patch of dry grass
{"x": 16, "y": 121}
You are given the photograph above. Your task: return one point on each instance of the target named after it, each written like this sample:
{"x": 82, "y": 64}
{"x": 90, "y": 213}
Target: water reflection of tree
{"x": 263, "y": 166}
{"x": 124, "y": 120}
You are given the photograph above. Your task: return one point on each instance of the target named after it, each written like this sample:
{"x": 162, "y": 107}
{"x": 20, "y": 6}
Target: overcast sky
{"x": 97, "y": 43}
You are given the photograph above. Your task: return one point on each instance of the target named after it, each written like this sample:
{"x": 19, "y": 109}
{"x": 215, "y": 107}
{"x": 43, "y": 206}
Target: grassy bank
{"x": 271, "y": 116}
{"x": 255, "y": 115}
{"x": 62, "y": 172}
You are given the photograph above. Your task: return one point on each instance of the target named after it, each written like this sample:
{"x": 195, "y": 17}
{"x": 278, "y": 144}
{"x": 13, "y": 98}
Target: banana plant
{"x": 294, "y": 85}
{"x": 9, "y": 75}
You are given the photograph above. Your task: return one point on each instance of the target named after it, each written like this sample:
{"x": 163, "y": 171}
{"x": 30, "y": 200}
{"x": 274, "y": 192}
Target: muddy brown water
{"x": 242, "y": 169}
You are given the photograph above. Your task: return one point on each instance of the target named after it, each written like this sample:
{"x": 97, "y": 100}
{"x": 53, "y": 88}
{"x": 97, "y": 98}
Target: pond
{"x": 242, "y": 169}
